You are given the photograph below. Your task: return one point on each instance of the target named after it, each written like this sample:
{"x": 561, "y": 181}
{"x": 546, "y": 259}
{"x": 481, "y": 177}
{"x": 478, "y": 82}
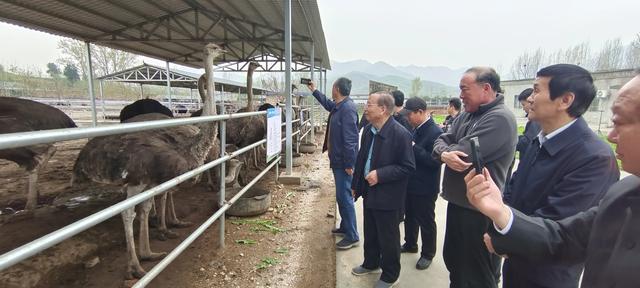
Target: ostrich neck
{"x": 250, "y": 89}
{"x": 208, "y": 130}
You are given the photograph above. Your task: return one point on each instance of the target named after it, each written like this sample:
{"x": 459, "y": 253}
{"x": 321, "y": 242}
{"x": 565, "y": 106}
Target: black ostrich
{"x": 21, "y": 115}
{"x": 138, "y": 161}
{"x": 143, "y": 106}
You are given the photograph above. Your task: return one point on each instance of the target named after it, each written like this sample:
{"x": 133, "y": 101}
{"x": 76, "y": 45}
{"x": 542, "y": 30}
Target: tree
{"x": 610, "y": 57}
{"x": 71, "y": 73}
{"x": 53, "y": 70}
{"x": 1, "y": 68}
{"x": 632, "y": 54}
{"x": 416, "y": 86}
{"x": 105, "y": 60}
{"x": 527, "y": 65}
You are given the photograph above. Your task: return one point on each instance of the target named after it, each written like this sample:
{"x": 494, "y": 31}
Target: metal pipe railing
{"x": 155, "y": 271}
{"x": 25, "y": 251}
{"x": 21, "y": 139}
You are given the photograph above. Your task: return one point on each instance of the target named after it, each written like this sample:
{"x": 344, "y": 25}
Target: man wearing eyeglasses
{"x": 381, "y": 176}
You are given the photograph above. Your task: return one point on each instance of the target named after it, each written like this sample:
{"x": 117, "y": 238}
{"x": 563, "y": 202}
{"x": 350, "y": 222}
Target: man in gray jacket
{"x": 486, "y": 117}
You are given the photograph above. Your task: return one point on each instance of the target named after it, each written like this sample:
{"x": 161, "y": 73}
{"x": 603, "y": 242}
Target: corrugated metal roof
{"x": 153, "y": 75}
{"x": 176, "y": 30}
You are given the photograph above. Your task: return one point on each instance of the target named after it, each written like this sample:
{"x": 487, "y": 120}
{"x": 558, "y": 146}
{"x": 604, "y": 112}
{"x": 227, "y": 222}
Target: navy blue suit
{"x": 569, "y": 174}
{"x": 392, "y": 159}
{"x": 422, "y": 191}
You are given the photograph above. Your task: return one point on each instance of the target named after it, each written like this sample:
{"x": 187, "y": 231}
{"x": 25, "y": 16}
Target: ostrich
{"x": 139, "y": 161}
{"x": 245, "y": 131}
{"x": 21, "y": 115}
{"x": 143, "y": 106}
{"x": 252, "y": 67}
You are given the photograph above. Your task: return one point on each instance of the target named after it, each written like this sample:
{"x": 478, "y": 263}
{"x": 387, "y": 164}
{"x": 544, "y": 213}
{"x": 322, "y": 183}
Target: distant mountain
{"x": 440, "y": 74}
{"x": 361, "y": 71}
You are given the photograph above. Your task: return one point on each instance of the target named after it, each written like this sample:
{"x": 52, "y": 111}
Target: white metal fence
{"x": 22, "y": 139}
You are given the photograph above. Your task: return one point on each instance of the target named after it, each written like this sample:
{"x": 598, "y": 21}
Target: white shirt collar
{"x": 425, "y": 121}
{"x": 543, "y": 138}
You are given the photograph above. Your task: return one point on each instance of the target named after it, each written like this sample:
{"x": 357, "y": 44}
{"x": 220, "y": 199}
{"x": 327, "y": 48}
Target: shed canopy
{"x": 176, "y": 30}
{"x": 153, "y": 75}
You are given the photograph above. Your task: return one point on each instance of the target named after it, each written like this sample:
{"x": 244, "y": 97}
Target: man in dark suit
{"x": 565, "y": 170}
{"x": 382, "y": 170}
{"x": 424, "y": 185}
{"x": 531, "y": 129}
{"x": 605, "y": 237}
{"x": 455, "y": 105}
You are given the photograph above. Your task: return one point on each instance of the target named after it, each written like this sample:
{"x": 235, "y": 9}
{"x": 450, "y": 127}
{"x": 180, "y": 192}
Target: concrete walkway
{"x": 436, "y": 276}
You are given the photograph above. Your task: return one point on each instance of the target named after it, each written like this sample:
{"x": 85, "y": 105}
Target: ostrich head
{"x": 211, "y": 52}
{"x": 253, "y": 65}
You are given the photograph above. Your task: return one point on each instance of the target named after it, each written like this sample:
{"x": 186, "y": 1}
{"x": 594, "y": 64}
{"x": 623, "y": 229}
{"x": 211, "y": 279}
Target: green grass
{"x": 439, "y": 119}
{"x": 613, "y": 147}
{"x": 267, "y": 262}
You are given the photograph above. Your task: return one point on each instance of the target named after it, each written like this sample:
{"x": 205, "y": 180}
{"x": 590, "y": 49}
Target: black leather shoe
{"x": 337, "y": 231}
{"x": 423, "y": 263}
{"x": 404, "y": 249}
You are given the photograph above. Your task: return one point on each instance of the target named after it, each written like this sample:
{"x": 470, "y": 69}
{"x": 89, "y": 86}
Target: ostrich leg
{"x": 134, "y": 270}
{"x": 165, "y": 233}
{"x": 173, "y": 218}
{"x": 145, "y": 248}
{"x": 32, "y": 186}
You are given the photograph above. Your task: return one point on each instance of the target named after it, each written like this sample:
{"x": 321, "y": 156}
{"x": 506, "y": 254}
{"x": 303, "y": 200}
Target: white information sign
{"x": 274, "y": 133}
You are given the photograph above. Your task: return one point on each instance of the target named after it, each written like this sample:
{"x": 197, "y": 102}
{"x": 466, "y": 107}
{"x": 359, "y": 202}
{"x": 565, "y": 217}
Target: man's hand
{"x": 483, "y": 194}
{"x": 311, "y": 86}
{"x": 452, "y": 159}
{"x": 372, "y": 178}
{"x": 489, "y": 244}
{"x": 353, "y": 193}
{"x": 349, "y": 171}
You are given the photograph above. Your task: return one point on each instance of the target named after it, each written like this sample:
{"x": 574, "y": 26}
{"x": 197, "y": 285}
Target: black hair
{"x": 344, "y": 86}
{"x": 456, "y": 103}
{"x": 570, "y": 78}
{"x": 487, "y": 75}
{"x": 398, "y": 98}
{"x": 525, "y": 94}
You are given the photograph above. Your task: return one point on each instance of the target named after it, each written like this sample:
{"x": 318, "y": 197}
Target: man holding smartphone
{"x": 486, "y": 117}
{"x": 341, "y": 140}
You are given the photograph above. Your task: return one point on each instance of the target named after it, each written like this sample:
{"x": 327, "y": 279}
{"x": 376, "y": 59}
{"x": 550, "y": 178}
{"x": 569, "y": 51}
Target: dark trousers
{"x": 382, "y": 243}
{"x": 469, "y": 262}
{"x": 420, "y": 217}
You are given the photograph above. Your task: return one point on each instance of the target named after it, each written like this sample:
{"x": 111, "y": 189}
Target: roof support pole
{"x": 169, "y": 87}
{"x": 311, "y": 119}
{"x": 321, "y": 88}
{"x": 104, "y": 114}
{"x": 141, "y": 92}
{"x": 287, "y": 85}
{"x": 94, "y": 119}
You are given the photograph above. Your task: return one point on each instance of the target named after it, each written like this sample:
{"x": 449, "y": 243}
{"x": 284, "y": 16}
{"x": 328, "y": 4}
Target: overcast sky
{"x": 455, "y": 34}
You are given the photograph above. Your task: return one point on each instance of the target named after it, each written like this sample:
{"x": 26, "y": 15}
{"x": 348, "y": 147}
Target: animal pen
{"x": 175, "y": 32}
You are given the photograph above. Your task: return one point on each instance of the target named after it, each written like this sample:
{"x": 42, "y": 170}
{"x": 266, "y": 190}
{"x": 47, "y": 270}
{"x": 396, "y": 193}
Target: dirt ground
{"x": 289, "y": 246}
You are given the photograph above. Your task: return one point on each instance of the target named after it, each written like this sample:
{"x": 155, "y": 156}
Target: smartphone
{"x": 305, "y": 81}
{"x": 475, "y": 154}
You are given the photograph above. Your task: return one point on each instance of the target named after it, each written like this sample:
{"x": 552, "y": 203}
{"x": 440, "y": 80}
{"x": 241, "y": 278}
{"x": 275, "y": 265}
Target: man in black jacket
{"x": 382, "y": 170}
{"x": 424, "y": 185}
{"x": 605, "y": 237}
{"x": 531, "y": 129}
